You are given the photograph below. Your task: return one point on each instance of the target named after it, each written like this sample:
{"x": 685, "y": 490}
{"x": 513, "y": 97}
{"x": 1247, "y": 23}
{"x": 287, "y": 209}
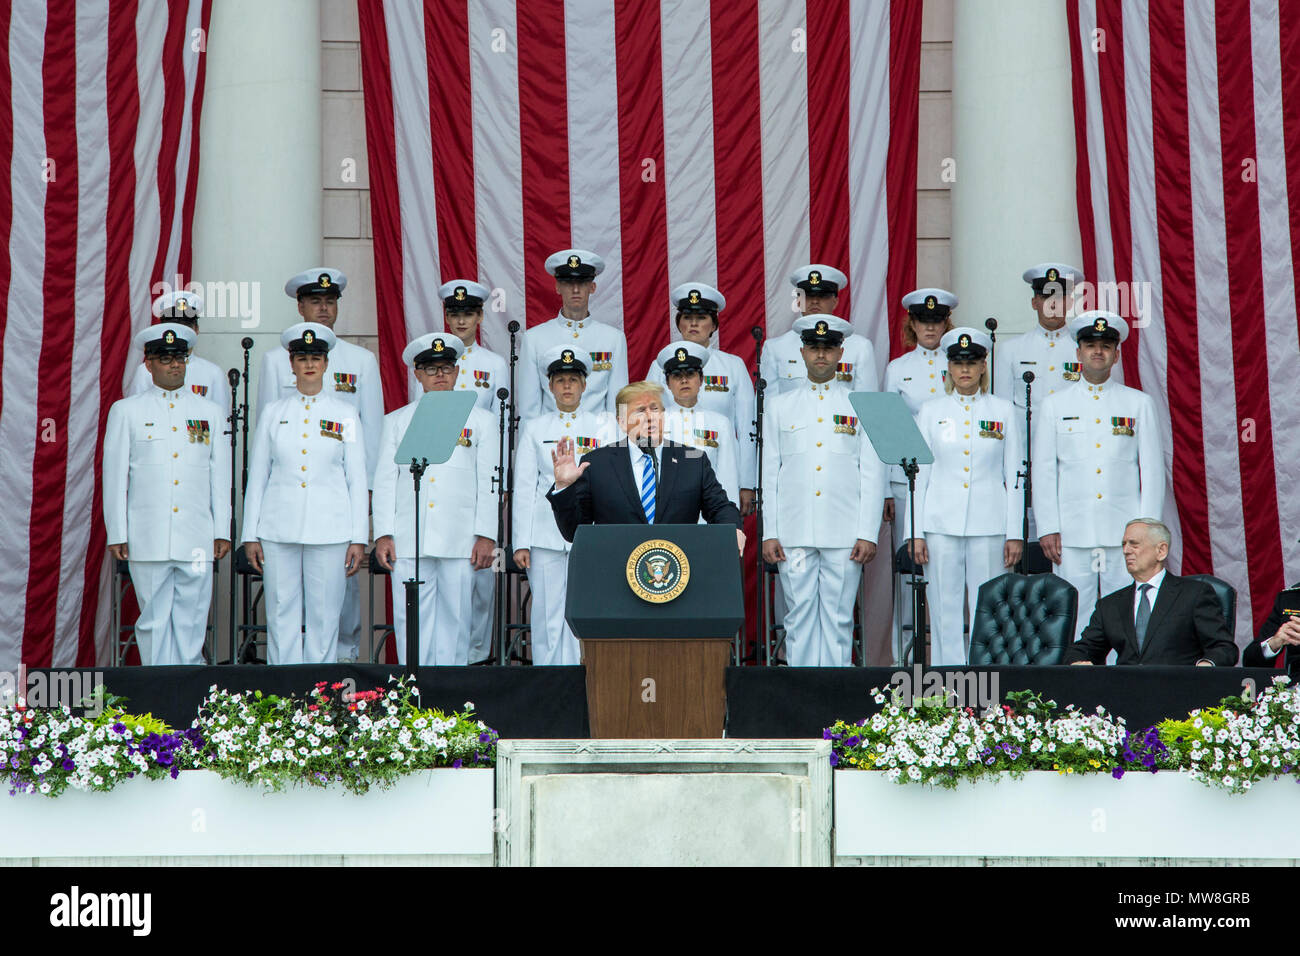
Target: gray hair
{"x": 1158, "y": 530}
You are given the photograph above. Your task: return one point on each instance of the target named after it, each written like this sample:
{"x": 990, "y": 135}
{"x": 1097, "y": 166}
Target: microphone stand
{"x": 412, "y": 584}
{"x": 760, "y": 389}
{"x": 919, "y": 629}
{"x": 992, "y": 325}
{"x": 500, "y": 575}
{"x": 1027, "y": 474}
{"x": 246, "y": 586}
{"x": 236, "y": 413}
{"x": 506, "y": 524}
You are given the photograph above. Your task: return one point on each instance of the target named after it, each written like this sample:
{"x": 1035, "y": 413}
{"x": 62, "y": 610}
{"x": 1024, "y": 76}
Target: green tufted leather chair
{"x": 1023, "y": 619}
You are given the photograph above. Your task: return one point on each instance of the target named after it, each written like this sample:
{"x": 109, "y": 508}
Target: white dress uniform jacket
{"x": 478, "y": 370}
{"x": 166, "y": 488}
{"x": 1098, "y": 464}
{"x": 826, "y": 488}
{"x": 351, "y": 376}
{"x": 917, "y": 376}
{"x": 728, "y": 390}
{"x": 710, "y": 433}
{"x": 458, "y": 493}
{"x": 205, "y": 379}
{"x": 970, "y": 488}
{"x": 1051, "y": 356}
{"x": 782, "y": 364}
{"x": 606, "y": 375}
{"x": 534, "y": 519}
{"x": 307, "y": 473}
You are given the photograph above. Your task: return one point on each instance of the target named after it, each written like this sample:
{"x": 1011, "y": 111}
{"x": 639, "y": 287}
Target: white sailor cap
{"x": 565, "y": 358}
{"x": 311, "y": 337}
{"x": 166, "y": 338}
{"x": 317, "y": 280}
{"x": 432, "y": 347}
{"x": 682, "y": 356}
{"x": 930, "y": 304}
{"x": 822, "y": 329}
{"x": 463, "y": 295}
{"x": 698, "y": 297}
{"x": 964, "y": 342}
{"x": 1048, "y": 273}
{"x": 1098, "y": 324}
{"x": 180, "y": 304}
{"x": 573, "y": 265}
{"x": 817, "y": 279}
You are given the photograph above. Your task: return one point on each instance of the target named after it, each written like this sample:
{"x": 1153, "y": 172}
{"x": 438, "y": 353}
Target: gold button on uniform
{"x": 304, "y": 451}
{"x": 170, "y": 405}
{"x": 819, "y": 467}
{"x": 819, "y": 444}
{"x": 176, "y": 481}
{"x": 819, "y": 419}
{"x": 304, "y": 467}
{"x": 1099, "y": 496}
{"x": 175, "y": 454}
{"x": 176, "y": 509}
{"x": 304, "y": 484}
{"x": 173, "y": 428}
{"x": 819, "y": 494}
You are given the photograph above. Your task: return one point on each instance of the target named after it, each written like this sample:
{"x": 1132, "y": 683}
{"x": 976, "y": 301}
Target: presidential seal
{"x": 657, "y": 571}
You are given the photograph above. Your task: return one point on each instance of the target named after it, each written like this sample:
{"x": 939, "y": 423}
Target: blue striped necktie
{"x": 648, "y": 487}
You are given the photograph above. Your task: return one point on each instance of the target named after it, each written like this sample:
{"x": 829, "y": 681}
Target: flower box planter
{"x": 1045, "y": 814}
{"x": 441, "y": 812}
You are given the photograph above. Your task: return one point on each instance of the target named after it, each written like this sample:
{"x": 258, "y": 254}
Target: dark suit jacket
{"x": 1253, "y": 655}
{"x": 608, "y": 493}
{"x": 1186, "y": 626}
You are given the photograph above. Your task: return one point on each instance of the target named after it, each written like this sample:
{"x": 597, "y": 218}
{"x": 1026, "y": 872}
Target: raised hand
{"x": 567, "y": 469}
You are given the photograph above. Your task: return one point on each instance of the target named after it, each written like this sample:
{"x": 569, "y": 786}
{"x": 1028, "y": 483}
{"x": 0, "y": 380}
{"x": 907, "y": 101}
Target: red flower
{"x": 312, "y": 707}
{"x": 320, "y": 683}
{"x": 352, "y": 706}
{"x": 337, "y": 686}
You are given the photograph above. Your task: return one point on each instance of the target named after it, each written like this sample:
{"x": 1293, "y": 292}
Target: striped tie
{"x": 648, "y": 487}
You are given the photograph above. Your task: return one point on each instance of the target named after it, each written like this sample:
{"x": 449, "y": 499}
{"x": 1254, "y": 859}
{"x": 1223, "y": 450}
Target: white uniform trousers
{"x": 1096, "y": 572}
{"x": 290, "y": 571}
{"x": 821, "y": 585}
{"x": 446, "y": 599}
{"x": 554, "y": 642}
{"x": 174, "y": 600}
{"x": 480, "y": 624}
{"x": 959, "y": 564}
{"x": 349, "y": 648}
{"x": 901, "y": 530}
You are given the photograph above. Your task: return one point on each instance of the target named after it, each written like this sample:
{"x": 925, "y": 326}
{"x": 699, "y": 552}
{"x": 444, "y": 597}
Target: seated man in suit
{"x": 641, "y": 479}
{"x": 1281, "y": 630}
{"x": 1160, "y": 618}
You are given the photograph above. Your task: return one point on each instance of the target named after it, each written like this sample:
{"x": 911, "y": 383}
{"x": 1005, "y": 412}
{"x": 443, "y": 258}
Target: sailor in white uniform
{"x": 305, "y": 509}
{"x": 825, "y": 492}
{"x": 682, "y": 364}
{"x": 575, "y": 271}
{"x": 1098, "y": 462}
{"x": 539, "y": 547}
{"x": 202, "y": 377}
{"x": 782, "y": 365}
{"x": 458, "y": 513}
{"x": 728, "y": 388}
{"x": 968, "y": 513}
{"x": 354, "y": 378}
{"x": 167, "y": 498}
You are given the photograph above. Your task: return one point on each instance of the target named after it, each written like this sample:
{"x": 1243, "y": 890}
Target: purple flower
{"x": 119, "y": 728}
{"x": 458, "y": 763}
{"x": 835, "y": 759}
{"x": 827, "y": 735}
{"x": 485, "y": 738}
{"x": 69, "y": 766}
{"x": 1117, "y": 773}
{"x": 853, "y": 741}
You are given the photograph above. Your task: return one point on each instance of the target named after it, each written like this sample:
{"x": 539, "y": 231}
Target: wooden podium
{"x": 655, "y": 608}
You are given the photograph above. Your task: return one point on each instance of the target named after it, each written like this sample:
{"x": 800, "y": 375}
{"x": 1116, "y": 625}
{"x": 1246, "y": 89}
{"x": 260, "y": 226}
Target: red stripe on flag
{"x": 1082, "y": 174}
{"x": 642, "y": 204}
{"x": 184, "y": 261}
{"x": 1245, "y": 308}
{"x": 446, "y": 42}
{"x": 1174, "y": 227}
{"x": 123, "y": 110}
{"x": 900, "y": 168}
{"x": 543, "y": 148}
{"x": 1289, "y": 41}
{"x": 737, "y": 166}
{"x": 6, "y": 180}
{"x": 49, "y": 464}
{"x": 828, "y": 137}
{"x": 173, "y": 69}
{"x": 385, "y": 203}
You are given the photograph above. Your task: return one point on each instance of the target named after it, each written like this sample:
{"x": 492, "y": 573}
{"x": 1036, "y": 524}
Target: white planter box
{"x": 1045, "y": 814}
{"x": 432, "y": 812}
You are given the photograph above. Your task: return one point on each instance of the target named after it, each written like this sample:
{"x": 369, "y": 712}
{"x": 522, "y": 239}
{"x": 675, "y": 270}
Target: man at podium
{"x": 641, "y": 479}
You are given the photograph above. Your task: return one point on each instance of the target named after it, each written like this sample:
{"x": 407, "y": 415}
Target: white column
{"x": 1013, "y": 201}
{"x": 257, "y": 217}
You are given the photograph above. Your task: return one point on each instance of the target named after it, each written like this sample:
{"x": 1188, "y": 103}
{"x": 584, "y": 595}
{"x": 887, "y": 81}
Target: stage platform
{"x": 762, "y": 702}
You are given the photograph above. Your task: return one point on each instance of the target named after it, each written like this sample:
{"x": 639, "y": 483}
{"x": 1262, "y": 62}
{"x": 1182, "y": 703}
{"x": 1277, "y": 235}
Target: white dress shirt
{"x": 782, "y": 364}
{"x": 606, "y": 374}
{"x": 1156, "y": 580}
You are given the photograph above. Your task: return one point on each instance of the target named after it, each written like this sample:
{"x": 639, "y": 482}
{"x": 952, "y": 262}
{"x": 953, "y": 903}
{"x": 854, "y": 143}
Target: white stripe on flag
{"x": 190, "y": 61}
{"x": 689, "y": 182}
{"x": 868, "y": 191}
{"x": 1213, "y": 310}
{"x": 595, "y": 215}
{"x": 148, "y": 142}
{"x": 1276, "y": 267}
{"x": 783, "y": 95}
{"x": 1097, "y": 177}
{"x": 498, "y": 177}
{"x": 22, "y": 346}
